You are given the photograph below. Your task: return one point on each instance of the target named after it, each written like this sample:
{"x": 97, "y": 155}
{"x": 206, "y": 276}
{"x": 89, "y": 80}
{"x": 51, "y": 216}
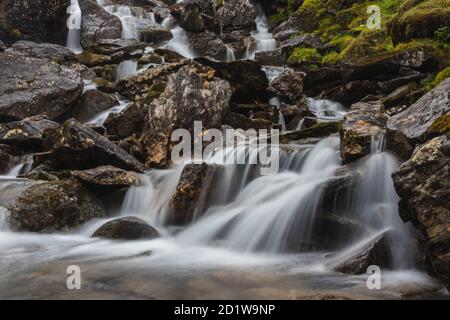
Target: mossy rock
{"x": 440, "y": 126}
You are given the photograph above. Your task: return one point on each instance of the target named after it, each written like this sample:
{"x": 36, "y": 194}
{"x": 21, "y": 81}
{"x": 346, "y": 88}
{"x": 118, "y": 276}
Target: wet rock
{"x": 75, "y": 146}
{"x": 192, "y": 94}
{"x": 129, "y": 121}
{"x": 193, "y": 15}
{"x": 91, "y": 59}
{"x": 190, "y": 198}
{"x": 34, "y": 20}
{"x": 422, "y": 183}
{"x": 321, "y": 129}
{"x": 353, "y": 91}
{"x": 118, "y": 50}
{"x": 27, "y": 133}
{"x": 303, "y": 41}
{"x": 240, "y": 41}
{"x": 97, "y": 24}
{"x": 7, "y": 154}
{"x": 156, "y": 35}
{"x": 288, "y": 85}
{"x": 239, "y": 121}
{"x": 361, "y": 124}
{"x": 399, "y": 95}
{"x": 128, "y": 228}
{"x": 52, "y": 52}
{"x": 106, "y": 177}
{"x": 30, "y": 86}
{"x": 271, "y": 58}
{"x": 3, "y": 46}
{"x": 409, "y": 127}
{"x": 246, "y": 77}
{"x": 375, "y": 252}
{"x": 237, "y": 14}
{"x": 92, "y": 103}
{"x": 287, "y": 29}
{"x": 208, "y": 44}
{"x": 54, "y": 206}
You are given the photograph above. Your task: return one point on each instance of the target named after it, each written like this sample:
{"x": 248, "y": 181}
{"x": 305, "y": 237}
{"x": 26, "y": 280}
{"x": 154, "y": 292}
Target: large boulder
{"x": 54, "y": 206}
{"x": 192, "y": 94}
{"x": 246, "y": 77}
{"x": 35, "y": 20}
{"x": 97, "y": 24}
{"x": 92, "y": 103}
{"x": 208, "y": 44}
{"x": 190, "y": 197}
{"x": 193, "y": 15}
{"x": 361, "y": 124}
{"x": 422, "y": 183}
{"x": 412, "y": 126}
{"x": 288, "y": 85}
{"x": 52, "y": 52}
{"x": 129, "y": 121}
{"x": 236, "y": 15}
{"x": 30, "y": 86}
{"x": 76, "y": 146}
{"x": 26, "y": 133}
{"x": 128, "y": 228}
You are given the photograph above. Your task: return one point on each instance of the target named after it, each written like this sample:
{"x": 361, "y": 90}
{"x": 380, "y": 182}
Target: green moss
{"x": 278, "y": 17}
{"x": 441, "y": 76}
{"x": 331, "y": 58}
{"x": 442, "y": 37}
{"x": 300, "y": 55}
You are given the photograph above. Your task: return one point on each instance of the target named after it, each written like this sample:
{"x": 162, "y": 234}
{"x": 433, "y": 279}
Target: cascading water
{"x": 180, "y": 42}
{"x": 74, "y": 27}
{"x": 263, "y": 38}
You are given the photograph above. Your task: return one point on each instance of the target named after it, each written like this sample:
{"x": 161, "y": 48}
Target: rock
{"x": 239, "y": 121}
{"x": 128, "y": 228}
{"x": 236, "y": 15}
{"x": 287, "y": 28}
{"x": 91, "y": 59}
{"x": 30, "y": 86}
{"x": 271, "y": 58}
{"x": 7, "y": 154}
{"x": 191, "y": 193}
{"x": 156, "y": 35}
{"x": 309, "y": 40}
{"x": 420, "y": 21}
{"x": 208, "y": 44}
{"x": 119, "y": 50}
{"x": 97, "y": 24}
{"x": 361, "y": 124}
{"x": 321, "y": 129}
{"x": 150, "y": 82}
{"x": 240, "y": 41}
{"x": 409, "y": 127}
{"x": 245, "y": 76}
{"x": 193, "y": 15}
{"x": 353, "y": 91}
{"x": 106, "y": 177}
{"x": 3, "y": 46}
{"x": 129, "y": 121}
{"x": 92, "y": 103}
{"x": 399, "y": 95}
{"x": 27, "y": 133}
{"x": 75, "y": 146}
{"x": 192, "y": 94}
{"x": 375, "y": 252}
{"x": 288, "y": 85}
{"x": 54, "y": 206}
{"x": 52, "y": 52}
{"x": 422, "y": 183}
{"x": 34, "y": 20}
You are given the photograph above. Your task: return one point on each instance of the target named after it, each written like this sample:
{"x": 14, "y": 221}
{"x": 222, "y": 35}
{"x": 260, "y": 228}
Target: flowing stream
{"x": 239, "y": 248}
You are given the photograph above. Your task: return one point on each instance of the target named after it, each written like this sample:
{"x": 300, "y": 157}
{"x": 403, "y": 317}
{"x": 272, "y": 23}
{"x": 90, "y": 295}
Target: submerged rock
{"x": 54, "y": 206}
{"x": 76, "y": 146}
{"x": 128, "y": 228}
{"x": 376, "y": 252}
{"x": 363, "y": 123}
{"x": 423, "y": 184}
{"x": 409, "y": 127}
{"x": 27, "y": 133}
{"x": 191, "y": 194}
{"x": 30, "y": 86}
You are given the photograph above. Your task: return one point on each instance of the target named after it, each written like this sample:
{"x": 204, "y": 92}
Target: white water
{"x": 263, "y": 37}
{"x": 326, "y": 109}
{"x": 180, "y": 42}
{"x": 74, "y": 31}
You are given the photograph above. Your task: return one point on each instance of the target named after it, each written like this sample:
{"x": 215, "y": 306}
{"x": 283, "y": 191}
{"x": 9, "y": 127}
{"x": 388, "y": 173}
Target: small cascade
{"x": 264, "y": 39}
{"x": 128, "y": 19}
{"x": 230, "y": 54}
{"x": 4, "y": 216}
{"x": 101, "y": 117}
{"x": 180, "y": 42}
{"x": 326, "y": 110}
{"x": 74, "y": 27}
{"x": 265, "y": 212}
{"x": 126, "y": 68}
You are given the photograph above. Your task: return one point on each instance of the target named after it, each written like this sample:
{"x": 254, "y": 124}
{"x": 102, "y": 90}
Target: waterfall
{"x": 270, "y": 207}
{"x": 263, "y": 37}
{"x": 180, "y": 42}
{"x": 4, "y": 215}
{"x": 74, "y": 27}
{"x": 326, "y": 109}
